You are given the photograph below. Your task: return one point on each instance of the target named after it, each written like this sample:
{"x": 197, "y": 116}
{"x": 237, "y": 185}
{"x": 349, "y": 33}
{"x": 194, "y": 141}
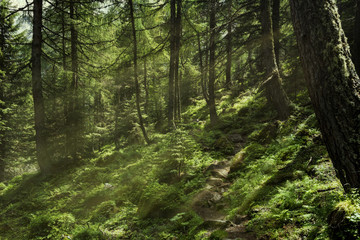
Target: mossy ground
{"x": 281, "y": 178}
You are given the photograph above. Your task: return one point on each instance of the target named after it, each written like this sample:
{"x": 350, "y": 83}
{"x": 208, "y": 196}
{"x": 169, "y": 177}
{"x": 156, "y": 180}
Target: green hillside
{"x": 279, "y": 184}
{"x": 179, "y": 120}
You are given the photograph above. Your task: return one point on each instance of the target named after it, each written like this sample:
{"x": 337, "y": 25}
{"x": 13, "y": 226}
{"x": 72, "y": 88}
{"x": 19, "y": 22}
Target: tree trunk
{"x": 276, "y": 29}
{"x": 2, "y": 97}
{"x": 40, "y": 138}
{"x": 146, "y": 88}
{"x": 172, "y": 64}
{"x": 73, "y": 117}
{"x": 2, "y": 133}
{"x": 202, "y": 71}
{"x": 63, "y": 40}
{"x": 177, "y": 59}
{"x": 275, "y": 94}
{"x": 137, "y": 87}
{"x": 179, "y": 97}
{"x": 212, "y": 76}
{"x": 117, "y": 102}
{"x": 333, "y": 84}
{"x": 356, "y": 47}
{"x": 229, "y": 47}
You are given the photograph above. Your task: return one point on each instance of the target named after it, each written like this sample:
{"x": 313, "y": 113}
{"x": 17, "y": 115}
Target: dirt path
{"x": 210, "y": 204}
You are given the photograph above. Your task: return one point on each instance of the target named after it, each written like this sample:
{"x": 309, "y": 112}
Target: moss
{"x": 224, "y": 145}
{"x": 104, "y": 211}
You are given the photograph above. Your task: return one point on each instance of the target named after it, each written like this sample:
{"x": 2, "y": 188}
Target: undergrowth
{"x": 281, "y": 178}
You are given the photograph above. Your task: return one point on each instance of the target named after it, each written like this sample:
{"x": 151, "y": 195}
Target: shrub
{"x": 89, "y": 234}
{"x": 49, "y": 226}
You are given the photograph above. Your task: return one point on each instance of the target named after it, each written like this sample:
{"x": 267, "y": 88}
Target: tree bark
{"x": 229, "y": 47}
{"x": 212, "y": 48}
{"x": 171, "y": 93}
{"x": 2, "y": 97}
{"x": 275, "y": 94}
{"x": 276, "y": 29}
{"x": 178, "y": 96}
{"x": 356, "y": 47}
{"x": 333, "y": 84}
{"x": 146, "y": 88}
{"x": 177, "y": 107}
{"x": 202, "y": 70}
{"x": 73, "y": 116}
{"x": 37, "y": 90}
{"x": 137, "y": 87}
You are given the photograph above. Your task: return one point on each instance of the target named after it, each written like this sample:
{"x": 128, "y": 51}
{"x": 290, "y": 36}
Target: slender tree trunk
{"x": 73, "y": 117}
{"x": 146, "y": 87}
{"x": 202, "y": 71}
{"x": 40, "y": 138}
{"x": 273, "y": 89}
{"x": 2, "y": 134}
{"x": 179, "y": 97}
{"x": 333, "y": 84}
{"x": 229, "y": 47}
{"x": 117, "y": 101}
{"x": 356, "y": 47}
{"x": 212, "y": 75}
{"x": 172, "y": 64}
{"x": 63, "y": 40}
{"x": 177, "y": 59}
{"x": 64, "y": 76}
{"x": 206, "y": 64}
{"x": 276, "y": 29}
{"x": 137, "y": 87}
{"x": 2, "y": 97}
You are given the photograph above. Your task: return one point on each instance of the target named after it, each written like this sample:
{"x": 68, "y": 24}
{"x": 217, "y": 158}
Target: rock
{"x": 206, "y": 198}
{"x": 217, "y": 182}
{"x": 214, "y": 224}
{"x": 239, "y": 232}
{"x": 235, "y": 138}
{"x": 224, "y": 145}
{"x": 216, "y": 197}
{"x": 217, "y": 165}
{"x": 267, "y": 134}
{"x": 108, "y": 186}
{"x": 220, "y": 173}
{"x": 237, "y": 162}
{"x": 240, "y": 219}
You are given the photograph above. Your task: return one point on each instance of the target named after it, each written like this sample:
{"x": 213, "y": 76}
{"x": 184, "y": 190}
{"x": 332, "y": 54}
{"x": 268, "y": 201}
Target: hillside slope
{"x": 250, "y": 177}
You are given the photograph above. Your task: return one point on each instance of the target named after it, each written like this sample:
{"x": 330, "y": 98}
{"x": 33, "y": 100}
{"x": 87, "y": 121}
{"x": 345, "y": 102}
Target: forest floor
{"x": 210, "y": 204}
{"x": 250, "y": 177}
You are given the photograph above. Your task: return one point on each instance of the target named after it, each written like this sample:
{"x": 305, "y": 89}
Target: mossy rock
{"x": 224, "y": 145}
{"x": 104, "y": 211}
{"x": 267, "y": 134}
{"x": 237, "y": 162}
{"x": 344, "y": 221}
{"x": 253, "y": 152}
{"x": 153, "y": 209}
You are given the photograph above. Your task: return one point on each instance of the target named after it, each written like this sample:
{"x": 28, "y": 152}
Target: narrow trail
{"x": 210, "y": 204}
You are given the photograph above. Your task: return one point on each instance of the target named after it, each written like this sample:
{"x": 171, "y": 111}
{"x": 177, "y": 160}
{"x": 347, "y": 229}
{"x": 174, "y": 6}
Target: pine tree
{"x": 332, "y": 81}
{"x": 39, "y": 108}
{"x": 273, "y": 88}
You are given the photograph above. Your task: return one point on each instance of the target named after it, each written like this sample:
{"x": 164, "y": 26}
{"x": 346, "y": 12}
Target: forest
{"x": 179, "y": 119}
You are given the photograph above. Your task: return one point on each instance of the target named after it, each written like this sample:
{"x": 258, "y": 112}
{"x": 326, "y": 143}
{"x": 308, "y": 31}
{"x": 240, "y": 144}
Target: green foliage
{"x": 344, "y": 220}
{"x": 218, "y": 235}
{"x": 104, "y": 211}
{"x": 89, "y": 234}
{"x": 51, "y": 226}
